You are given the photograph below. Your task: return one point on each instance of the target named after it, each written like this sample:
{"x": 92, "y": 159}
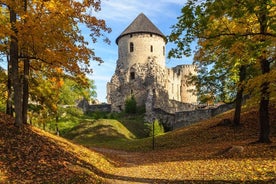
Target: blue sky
{"x": 118, "y": 14}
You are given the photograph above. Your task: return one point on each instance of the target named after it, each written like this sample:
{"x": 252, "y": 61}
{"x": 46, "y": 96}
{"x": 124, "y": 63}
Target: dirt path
{"x": 139, "y": 167}
{"x": 153, "y": 167}
{"x": 182, "y": 166}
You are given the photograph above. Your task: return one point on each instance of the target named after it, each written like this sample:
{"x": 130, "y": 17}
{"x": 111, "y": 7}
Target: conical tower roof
{"x": 141, "y": 24}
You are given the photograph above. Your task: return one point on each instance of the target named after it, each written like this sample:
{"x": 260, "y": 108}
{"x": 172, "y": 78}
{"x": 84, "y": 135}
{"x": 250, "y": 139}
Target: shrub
{"x": 158, "y": 128}
{"x": 130, "y": 105}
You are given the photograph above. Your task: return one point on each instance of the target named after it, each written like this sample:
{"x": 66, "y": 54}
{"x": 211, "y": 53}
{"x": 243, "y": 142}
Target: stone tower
{"x": 141, "y": 70}
{"x": 139, "y": 41}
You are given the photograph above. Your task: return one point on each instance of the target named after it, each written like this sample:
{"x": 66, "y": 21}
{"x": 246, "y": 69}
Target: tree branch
{"x": 238, "y": 35}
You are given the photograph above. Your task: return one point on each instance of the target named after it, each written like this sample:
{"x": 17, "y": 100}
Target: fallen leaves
{"x": 27, "y": 157}
{"x": 35, "y": 156}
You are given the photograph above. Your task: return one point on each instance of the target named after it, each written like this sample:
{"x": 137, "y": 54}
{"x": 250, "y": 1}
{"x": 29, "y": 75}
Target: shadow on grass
{"x": 27, "y": 157}
{"x": 167, "y": 181}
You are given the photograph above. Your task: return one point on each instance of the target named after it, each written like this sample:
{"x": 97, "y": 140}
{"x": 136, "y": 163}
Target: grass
{"x": 202, "y": 134}
{"x": 194, "y": 154}
{"x": 30, "y": 155}
{"x": 99, "y": 131}
{"x": 122, "y": 134}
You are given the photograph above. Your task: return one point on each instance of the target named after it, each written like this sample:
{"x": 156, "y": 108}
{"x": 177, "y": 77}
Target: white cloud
{"x": 126, "y": 10}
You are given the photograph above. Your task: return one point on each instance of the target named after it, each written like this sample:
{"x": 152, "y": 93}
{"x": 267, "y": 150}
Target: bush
{"x": 158, "y": 128}
{"x": 72, "y": 111}
{"x": 97, "y": 115}
{"x": 130, "y": 105}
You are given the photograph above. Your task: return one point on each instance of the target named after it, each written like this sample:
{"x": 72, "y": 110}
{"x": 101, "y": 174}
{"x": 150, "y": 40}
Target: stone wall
{"x": 176, "y": 120}
{"x": 99, "y": 108}
{"x": 139, "y": 79}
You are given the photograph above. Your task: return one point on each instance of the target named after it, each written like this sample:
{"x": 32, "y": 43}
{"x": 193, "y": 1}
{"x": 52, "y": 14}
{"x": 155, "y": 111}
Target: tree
{"x": 13, "y": 51}
{"x": 231, "y": 25}
{"x": 45, "y": 35}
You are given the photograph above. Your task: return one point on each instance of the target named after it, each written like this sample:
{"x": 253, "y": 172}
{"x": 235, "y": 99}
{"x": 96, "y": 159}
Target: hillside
{"x": 34, "y": 156}
{"x": 196, "y": 154}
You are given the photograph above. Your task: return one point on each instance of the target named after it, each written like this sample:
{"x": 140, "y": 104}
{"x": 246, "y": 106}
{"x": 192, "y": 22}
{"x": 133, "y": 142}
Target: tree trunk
{"x": 57, "y": 129}
{"x": 264, "y": 106}
{"x": 237, "y": 115}
{"x": 9, "y": 109}
{"x": 25, "y": 90}
{"x": 25, "y": 79}
{"x": 15, "y": 72}
{"x": 264, "y": 103}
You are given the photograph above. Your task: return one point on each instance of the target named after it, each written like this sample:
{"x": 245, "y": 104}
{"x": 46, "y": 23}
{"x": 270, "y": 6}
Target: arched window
{"x": 131, "y": 47}
{"x": 151, "y": 48}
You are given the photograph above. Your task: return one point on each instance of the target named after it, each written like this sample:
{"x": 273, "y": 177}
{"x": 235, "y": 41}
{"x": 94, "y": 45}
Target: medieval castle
{"x": 141, "y": 72}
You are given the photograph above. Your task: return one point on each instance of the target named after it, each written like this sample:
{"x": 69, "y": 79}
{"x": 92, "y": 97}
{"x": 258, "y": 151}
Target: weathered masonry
{"x": 141, "y": 72}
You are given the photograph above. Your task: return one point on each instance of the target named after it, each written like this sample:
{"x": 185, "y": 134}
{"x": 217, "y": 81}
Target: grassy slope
{"x": 99, "y": 132}
{"x": 31, "y": 155}
{"x": 198, "y": 135}
{"x": 200, "y": 152}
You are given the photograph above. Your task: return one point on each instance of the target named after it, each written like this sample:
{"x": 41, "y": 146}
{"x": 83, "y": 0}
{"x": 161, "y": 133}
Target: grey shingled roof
{"x": 141, "y": 24}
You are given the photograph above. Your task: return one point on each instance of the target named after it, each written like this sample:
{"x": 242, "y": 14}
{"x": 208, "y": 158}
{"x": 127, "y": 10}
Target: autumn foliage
{"x": 237, "y": 40}
{"x": 42, "y": 41}
{"x": 196, "y": 154}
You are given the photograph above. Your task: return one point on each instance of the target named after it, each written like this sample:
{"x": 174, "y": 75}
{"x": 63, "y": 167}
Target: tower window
{"x": 132, "y": 75}
{"x": 130, "y": 35}
{"x": 151, "y": 48}
{"x": 150, "y": 35}
{"x": 163, "y": 51}
{"x": 131, "y": 47}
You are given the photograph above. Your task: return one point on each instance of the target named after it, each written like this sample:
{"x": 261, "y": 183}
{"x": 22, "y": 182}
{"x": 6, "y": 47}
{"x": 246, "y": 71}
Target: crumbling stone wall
{"x": 164, "y": 83}
{"x": 146, "y": 77}
{"x": 177, "y": 120}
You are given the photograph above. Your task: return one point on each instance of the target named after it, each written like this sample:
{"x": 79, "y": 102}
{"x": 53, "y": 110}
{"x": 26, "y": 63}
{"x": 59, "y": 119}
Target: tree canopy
{"x": 42, "y": 38}
{"x": 232, "y": 35}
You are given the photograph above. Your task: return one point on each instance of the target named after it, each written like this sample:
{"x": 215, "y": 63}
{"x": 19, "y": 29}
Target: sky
{"x": 118, "y": 14}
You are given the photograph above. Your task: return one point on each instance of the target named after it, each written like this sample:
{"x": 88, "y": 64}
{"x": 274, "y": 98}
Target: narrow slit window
{"x": 132, "y": 75}
{"x": 131, "y": 47}
{"x": 151, "y": 48}
{"x": 163, "y": 51}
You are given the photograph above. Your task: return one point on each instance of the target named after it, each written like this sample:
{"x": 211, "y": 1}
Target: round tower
{"x": 139, "y": 42}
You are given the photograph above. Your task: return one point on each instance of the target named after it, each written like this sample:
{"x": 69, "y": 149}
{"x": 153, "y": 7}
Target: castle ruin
{"x": 141, "y": 72}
